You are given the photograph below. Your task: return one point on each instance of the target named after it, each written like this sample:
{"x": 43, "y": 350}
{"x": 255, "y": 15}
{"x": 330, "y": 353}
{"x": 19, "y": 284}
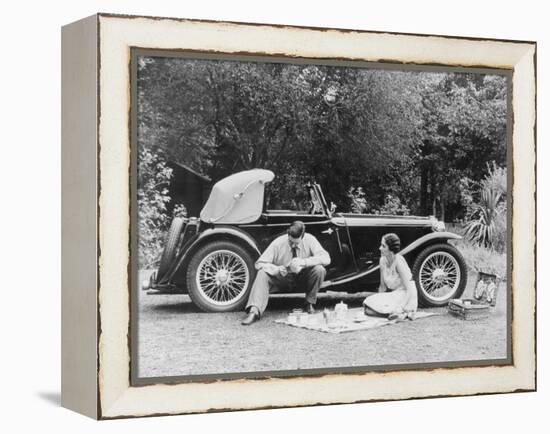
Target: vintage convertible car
{"x": 212, "y": 257}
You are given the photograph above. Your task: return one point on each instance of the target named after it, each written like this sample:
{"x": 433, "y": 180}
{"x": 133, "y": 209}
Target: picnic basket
{"x": 484, "y": 298}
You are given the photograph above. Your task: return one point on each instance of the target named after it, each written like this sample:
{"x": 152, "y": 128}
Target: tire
{"x": 170, "y": 246}
{"x": 220, "y": 276}
{"x": 440, "y": 275}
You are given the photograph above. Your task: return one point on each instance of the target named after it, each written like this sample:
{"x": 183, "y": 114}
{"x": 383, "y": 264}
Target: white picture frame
{"x": 96, "y": 218}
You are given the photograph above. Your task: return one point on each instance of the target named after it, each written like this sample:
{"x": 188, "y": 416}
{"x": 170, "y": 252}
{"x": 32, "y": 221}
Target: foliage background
{"x": 377, "y": 140}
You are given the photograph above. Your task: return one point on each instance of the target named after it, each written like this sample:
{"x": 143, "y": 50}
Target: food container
{"x": 331, "y": 318}
{"x": 341, "y": 310}
{"x": 326, "y": 314}
{"x": 469, "y": 309}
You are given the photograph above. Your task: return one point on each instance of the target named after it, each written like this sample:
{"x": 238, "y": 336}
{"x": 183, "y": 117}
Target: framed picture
{"x": 259, "y": 216}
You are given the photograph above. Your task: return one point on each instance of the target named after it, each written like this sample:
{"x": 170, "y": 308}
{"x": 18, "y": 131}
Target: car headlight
{"x": 438, "y": 226}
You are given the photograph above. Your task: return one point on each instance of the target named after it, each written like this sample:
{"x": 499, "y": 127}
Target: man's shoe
{"x": 252, "y": 317}
{"x": 309, "y": 308}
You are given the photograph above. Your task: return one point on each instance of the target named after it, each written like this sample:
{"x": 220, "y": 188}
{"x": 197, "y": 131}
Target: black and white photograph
{"x": 301, "y": 217}
{"x": 276, "y": 216}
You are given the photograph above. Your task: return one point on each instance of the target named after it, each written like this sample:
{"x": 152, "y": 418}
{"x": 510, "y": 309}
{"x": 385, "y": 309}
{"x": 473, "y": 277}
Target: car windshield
{"x": 281, "y": 196}
{"x": 275, "y": 201}
{"x": 316, "y": 201}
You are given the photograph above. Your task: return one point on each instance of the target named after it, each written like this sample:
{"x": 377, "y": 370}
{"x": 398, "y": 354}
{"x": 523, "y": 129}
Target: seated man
{"x": 296, "y": 257}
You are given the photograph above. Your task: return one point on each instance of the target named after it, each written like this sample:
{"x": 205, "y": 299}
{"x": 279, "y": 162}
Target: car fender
{"x": 420, "y": 243}
{"x": 426, "y": 240}
{"x": 228, "y": 233}
{"x": 217, "y": 232}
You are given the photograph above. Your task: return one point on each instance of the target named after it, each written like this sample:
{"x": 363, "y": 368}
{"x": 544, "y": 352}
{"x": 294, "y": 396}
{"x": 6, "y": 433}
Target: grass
{"x": 480, "y": 258}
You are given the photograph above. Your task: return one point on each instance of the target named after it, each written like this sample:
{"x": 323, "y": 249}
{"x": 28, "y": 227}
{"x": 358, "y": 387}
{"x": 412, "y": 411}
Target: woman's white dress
{"x": 396, "y": 298}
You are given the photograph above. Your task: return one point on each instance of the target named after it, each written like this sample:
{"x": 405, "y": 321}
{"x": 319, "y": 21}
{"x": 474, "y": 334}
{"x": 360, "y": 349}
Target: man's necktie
{"x": 294, "y": 253}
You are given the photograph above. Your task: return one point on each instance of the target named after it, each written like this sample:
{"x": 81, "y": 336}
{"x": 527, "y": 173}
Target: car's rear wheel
{"x": 440, "y": 274}
{"x": 170, "y": 246}
{"x": 219, "y": 277}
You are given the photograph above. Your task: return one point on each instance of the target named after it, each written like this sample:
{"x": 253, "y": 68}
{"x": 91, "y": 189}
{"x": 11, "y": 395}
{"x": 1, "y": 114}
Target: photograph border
{"x": 114, "y": 396}
{"x": 135, "y": 288}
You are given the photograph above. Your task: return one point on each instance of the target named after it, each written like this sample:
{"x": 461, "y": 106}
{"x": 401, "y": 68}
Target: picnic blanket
{"x": 355, "y": 320}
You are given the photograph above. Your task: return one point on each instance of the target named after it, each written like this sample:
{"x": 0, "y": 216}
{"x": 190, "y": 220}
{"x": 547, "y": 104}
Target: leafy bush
{"x": 467, "y": 189}
{"x": 500, "y": 234}
{"x": 486, "y": 219}
{"x": 179, "y": 210}
{"x": 359, "y": 204}
{"x": 153, "y": 180}
{"x": 287, "y": 191}
{"x": 482, "y": 259}
{"x": 481, "y": 225}
{"x": 393, "y": 206}
{"x": 356, "y": 195}
{"x": 496, "y": 179}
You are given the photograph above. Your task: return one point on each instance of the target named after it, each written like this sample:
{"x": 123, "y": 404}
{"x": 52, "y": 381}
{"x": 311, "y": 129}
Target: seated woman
{"x": 395, "y": 276}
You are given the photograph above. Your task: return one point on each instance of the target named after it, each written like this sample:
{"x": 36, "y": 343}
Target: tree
{"x": 411, "y": 135}
{"x": 464, "y": 126}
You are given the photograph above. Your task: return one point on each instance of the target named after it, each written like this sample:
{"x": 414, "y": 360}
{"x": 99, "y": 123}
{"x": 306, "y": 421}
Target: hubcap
{"x": 222, "y": 277}
{"x": 439, "y": 276}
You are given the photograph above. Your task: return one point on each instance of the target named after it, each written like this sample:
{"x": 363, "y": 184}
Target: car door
{"x": 331, "y": 237}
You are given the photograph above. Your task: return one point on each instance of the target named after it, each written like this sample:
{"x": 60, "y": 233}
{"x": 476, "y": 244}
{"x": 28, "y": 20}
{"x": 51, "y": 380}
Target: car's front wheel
{"x": 440, "y": 274}
{"x": 219, "y": 277}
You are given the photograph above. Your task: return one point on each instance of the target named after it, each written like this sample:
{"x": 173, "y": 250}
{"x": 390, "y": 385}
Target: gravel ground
{"x": 176, "y": 339}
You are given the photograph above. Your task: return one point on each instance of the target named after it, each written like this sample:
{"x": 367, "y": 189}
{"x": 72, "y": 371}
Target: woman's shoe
{"x": 411, "y": 315}
{"x": 397, "y": 316}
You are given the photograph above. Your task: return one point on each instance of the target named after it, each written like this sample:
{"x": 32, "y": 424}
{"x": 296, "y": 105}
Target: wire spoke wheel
{"x": 440, "y": 274}
{"x": 222, "y": 277}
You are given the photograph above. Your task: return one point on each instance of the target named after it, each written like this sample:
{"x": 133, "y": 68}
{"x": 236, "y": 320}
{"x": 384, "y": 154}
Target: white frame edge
{"x": 79, "y": 368}
{"x": 116, "y": 36}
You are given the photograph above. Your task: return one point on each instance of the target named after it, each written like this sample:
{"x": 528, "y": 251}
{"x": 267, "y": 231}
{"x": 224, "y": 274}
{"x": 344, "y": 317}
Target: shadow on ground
{"x": 52, "y": 398}
{"x": 276, "y": 302}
